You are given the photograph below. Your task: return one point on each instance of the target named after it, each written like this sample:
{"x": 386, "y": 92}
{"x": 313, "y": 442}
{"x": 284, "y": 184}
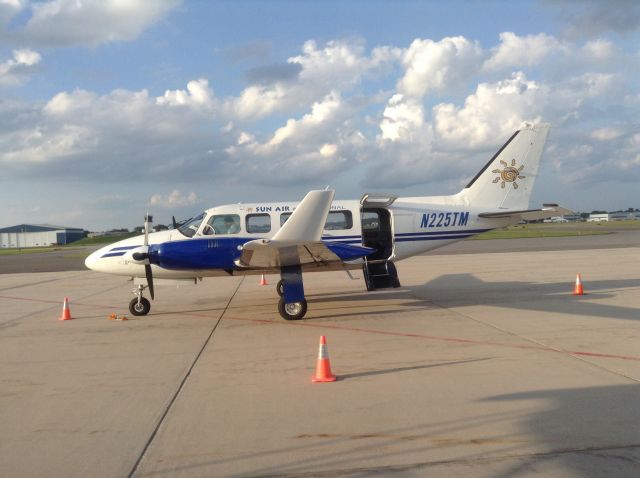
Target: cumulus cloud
{"x": 173, "y": 200}
{"x": 14, "y": 71}
{"x": 198, "y": 94}
{"x": 80, "y": 23}
{"x": 308, "y": 77}
{"x": 321, "y": 142}
{"x": 517, "y": 52}
{"x": 401, "y": 119}
{"x": 128, "y": 135}
{"x": 435, "y": 66}
{"x": 309, "y": 118}
{"x": 493, "y": 110}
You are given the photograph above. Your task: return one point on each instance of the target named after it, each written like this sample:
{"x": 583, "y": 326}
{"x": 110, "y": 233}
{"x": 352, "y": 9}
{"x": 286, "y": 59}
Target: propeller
{"x": 144, "y": 256}
{"x": 175, "y": 224}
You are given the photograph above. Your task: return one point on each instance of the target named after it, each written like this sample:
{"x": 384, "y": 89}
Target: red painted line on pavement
{"x": 440, "y": 338}
{"x": 370, "y": 331}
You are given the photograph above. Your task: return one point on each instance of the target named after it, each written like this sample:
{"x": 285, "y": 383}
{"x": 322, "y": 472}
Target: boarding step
{"x": 380, "y": 275}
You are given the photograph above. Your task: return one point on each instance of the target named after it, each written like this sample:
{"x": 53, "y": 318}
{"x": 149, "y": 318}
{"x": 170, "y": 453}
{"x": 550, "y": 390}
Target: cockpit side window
{"x": 222, "y": 224}
{"x": 190, "y": 227}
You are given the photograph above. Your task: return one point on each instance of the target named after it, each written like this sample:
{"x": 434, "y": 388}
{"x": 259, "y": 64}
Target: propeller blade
{"x": 175, "y": 224}
{"x": 147, "y": 272}
{"x": 147, "y": 219}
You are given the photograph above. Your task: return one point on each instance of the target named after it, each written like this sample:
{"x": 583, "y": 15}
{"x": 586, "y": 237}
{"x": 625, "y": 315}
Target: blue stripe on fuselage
{"x": 113, "y": 254}
{"x": 125, "y": 248}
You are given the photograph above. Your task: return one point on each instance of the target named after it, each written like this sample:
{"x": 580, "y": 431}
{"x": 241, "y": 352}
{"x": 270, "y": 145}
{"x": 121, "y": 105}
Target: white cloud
{"x": 434, "y": 66}
{"x": 338, "y": 118}
{"x": 339, "y": 65}
{"x": 401, "y": 118}
{"x": 122, "y": 134}
{"x": 14, "y": 70}
{"x": 319, "y": 144}
{"x": 87, "y": 22}
{"x": 518, "y": 52}
{"x": 320, "y": 112}
{"x": 173, "y": 200}
{"x": 197, "y": 94}
{"x": 494, "y": 110}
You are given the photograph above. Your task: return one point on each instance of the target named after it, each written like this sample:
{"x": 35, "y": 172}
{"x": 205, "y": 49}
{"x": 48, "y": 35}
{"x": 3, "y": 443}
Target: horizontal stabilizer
{"x": 271, "y": 254}
{"x": 529, "y": 214}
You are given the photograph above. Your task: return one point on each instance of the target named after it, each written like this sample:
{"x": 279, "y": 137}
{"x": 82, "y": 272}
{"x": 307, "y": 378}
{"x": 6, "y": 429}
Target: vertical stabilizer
{"x": 506, "y": 181}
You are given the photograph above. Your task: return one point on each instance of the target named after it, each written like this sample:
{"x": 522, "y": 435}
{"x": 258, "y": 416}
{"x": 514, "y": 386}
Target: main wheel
{"x": 280, "y": 288}
{"x": 139, "y": 308}
{"x": 292, "y": 311}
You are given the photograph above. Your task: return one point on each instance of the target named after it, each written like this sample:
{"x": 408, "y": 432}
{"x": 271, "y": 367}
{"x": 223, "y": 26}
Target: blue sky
{"x": 110, "y": 108}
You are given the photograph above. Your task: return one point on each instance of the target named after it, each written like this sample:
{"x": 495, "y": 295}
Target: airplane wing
{"x": 299, "y": 241}
{"x": 547, "y": 211}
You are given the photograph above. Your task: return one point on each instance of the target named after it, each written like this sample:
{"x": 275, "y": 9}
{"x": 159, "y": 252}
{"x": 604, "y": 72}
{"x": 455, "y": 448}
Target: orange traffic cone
{"x": 323, "y": 367}
{"x": 66, "y": 313}
{"x": 263, "y": 280}
{"x": 578, "y": 290}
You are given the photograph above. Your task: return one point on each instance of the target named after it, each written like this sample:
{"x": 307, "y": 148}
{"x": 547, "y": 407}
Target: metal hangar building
{"x": 38, "y": 235}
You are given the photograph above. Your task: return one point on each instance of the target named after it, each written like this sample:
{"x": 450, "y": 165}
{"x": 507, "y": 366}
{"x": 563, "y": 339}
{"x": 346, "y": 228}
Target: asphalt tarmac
{"x": 482, "y": 364}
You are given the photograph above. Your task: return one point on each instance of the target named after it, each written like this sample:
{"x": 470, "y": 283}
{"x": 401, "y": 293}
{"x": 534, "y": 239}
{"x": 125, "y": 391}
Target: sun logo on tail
{"x": 509, "y": 174}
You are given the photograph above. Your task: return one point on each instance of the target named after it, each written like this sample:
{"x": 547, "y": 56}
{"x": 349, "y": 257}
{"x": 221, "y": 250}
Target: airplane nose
{"x": 92, "y": 260}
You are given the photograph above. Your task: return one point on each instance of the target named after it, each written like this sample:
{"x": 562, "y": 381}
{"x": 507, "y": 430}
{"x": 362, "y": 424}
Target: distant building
{"x": 598, "y": 217}
{"x": 38, "y": 235}
{"x": 614, "y": 216}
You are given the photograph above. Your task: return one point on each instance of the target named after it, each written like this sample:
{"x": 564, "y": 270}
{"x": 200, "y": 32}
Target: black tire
{"x": 141, "y": 308}
{"x": 279, "y": 288}
{"x": 293, "y": 311}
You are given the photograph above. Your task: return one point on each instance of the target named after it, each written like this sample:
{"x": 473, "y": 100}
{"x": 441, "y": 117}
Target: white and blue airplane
{"x": 320, "y": 234}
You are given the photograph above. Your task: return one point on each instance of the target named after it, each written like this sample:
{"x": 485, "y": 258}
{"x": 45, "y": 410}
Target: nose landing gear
{"x": 139, "y": 305}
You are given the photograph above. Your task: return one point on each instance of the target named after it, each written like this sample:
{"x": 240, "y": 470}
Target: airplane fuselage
{"x": 404, "y": 228}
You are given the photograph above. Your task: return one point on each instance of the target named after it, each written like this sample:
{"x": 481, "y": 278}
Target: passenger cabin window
{"x": 258, "y": 223}
{"x": 335, "y": 220}
{"x": 339, "y": 220}
{"x": 283, "y": 217}
{"x": 222, "y": 224}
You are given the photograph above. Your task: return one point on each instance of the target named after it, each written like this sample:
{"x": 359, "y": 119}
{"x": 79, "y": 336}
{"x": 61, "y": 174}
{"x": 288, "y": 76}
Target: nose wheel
{"x": 139, "y": 305}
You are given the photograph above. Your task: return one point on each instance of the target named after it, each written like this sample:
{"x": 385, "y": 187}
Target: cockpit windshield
{"x": 190, "y": 227}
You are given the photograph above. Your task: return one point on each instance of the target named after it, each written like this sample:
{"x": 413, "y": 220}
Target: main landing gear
{"x": 139, "y": 305}
{"x": 292, "y": 304}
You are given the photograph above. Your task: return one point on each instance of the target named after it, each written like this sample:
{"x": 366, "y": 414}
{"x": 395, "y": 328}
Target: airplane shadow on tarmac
{"x": 589, "y": 432}
{"x": 456, "y": 290}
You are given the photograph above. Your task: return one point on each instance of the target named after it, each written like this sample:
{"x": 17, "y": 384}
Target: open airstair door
{"x": 379, "y": 272}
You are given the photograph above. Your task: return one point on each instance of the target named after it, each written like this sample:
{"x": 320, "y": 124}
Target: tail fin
{"x": 506, "y": 181}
